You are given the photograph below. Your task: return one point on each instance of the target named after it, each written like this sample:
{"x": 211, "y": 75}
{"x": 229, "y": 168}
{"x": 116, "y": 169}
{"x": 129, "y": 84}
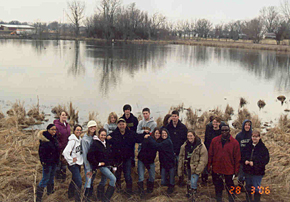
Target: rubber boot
{"x": 118, "y": 186}
{"x": 100, "y": 192}
{"x": 129, "y": 189}
{"x": 50, "y": 189}
{"x": 88, "y": 194}
{"x": 170, "y": 189}
{"x": 141, "y": 189}
{"x": 257, "y": 197}
{"x": 71, "y": 190}
{"x": 249, "y": 197}
{"x": 109, "y": 193}
{"x": 39, "y": 193}
{"x": 150, "y": 187}
{"x": 219, "y": 196}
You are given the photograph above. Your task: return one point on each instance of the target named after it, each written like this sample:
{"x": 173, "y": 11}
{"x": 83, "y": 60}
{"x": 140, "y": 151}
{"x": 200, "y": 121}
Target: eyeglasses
{"x": 225, "y": 130}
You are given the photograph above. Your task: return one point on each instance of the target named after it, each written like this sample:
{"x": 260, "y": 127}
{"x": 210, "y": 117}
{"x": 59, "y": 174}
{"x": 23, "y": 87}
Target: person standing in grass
{"x": 166, "y": 158}
{"x": 86, "y": 142}
{"x": 255, "y": 158}
{"x": 146, "y": 158}
{"x": 244, "y": 138}
{"x": 100, "y": 157}
{"x": 62, "y": 133}
{"x": 224, "y": 160}
{"x": 112, "y": 123}
{"x": 73, "y": 155}
{"x": 49, "y": 158}
{"x": 193, "y": 159}
{"x": 178, "y": 135}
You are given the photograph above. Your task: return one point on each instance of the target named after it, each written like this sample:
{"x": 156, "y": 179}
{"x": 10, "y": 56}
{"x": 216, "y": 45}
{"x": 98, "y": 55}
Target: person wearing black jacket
{"x": 166, "y": 158}
{"x": 256, "y": 157}
{"x": 49, "y": 158}
{"x": 131, "y": 120}
{"x": 100, "y": 157}
{"x": 178, "y": 135}
{"x": 146, "y": 159}
{"x": 123, "y": 141}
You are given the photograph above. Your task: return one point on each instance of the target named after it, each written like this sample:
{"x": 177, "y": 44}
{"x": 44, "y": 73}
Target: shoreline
{"x": 266, "y": 44}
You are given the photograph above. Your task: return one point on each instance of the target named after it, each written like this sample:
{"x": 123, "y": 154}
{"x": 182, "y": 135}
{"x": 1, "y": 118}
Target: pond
{"x": 103, "y": 77}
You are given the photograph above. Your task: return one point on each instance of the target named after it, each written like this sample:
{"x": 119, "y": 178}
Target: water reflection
{"x": 76, "y": 68}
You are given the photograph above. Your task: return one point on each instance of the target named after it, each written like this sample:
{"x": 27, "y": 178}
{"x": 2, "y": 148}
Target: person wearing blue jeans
{"x": 49, "y": 158}
{"x": 193, "y": 158}
{"x": 73, "y": 155}
{"x": 100, "y": 157}
{"x": 256, "y": 157}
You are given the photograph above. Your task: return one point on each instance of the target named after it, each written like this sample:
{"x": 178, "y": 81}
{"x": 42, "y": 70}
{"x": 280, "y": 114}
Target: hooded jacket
{"x": 244, "y": 137}
{"x": 73, "y": 149}
{"x": 166, "y": 151}
{"x": 86, "y": 142}
{"x": 146, "y": 125}
{"x": 123, "y": 145}
{"x": 198, "y": 158}
{"x": 178, "y": 135}
{"x": 147, "y": 153}
{"x": 62, "y": 133}
{"x": 110, "y": 127}
{"x": 48, "y": 148}
{"x": 224, "y": 159}
{"x": 259, "y": 154}
{"x": 132, "y": 122}
{"x": 98, "y": 153}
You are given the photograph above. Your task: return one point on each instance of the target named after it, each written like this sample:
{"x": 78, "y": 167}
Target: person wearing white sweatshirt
{"x": 73, "y": 155}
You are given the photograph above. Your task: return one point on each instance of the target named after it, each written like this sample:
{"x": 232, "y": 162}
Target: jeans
{"x": 176, "y": 164}
{"x": 107, "y": 174}
{"x": 241, "y": 176}
{"x": 253, "y": 180}
{"x": 220, "y": 182}
{"x": 89, "y": 181}
{"x": 126, "y": 168}
{"x": 193, "y": 178}
{"x": 48, "y": 173}
{"x": 171, "y": 176}
{"x": 76, "y": 176}
{"x": 141, "y": 171}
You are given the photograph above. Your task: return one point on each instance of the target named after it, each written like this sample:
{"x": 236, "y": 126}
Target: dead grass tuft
{"x": 73, "y": 114}
{"x": 159, "y": 121}
{"x": 243, "y": 102}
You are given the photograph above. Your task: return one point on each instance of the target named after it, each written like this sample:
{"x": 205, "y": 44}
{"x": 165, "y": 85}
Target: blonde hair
{"x": 115, "y": 116}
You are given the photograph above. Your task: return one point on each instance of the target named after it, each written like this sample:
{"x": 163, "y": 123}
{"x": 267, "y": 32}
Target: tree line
{"x": 113, "y": 20}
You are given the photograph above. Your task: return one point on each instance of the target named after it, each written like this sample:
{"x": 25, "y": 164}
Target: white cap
{"x": 91, "y": 124}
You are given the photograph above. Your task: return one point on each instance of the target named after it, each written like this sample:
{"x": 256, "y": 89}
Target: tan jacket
{"x": 198, "y": 160}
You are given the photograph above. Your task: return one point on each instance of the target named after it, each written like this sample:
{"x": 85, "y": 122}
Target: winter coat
{"x": 178, "y": 135}
{"x": 210, "y": 133}
{"x": 132, "y": 122}
{"x": 259, "y": 154}
{"x": 98, "y": 153}
{"x": 146, "y": 125}
{"x": 224, "y": 159}
{"x": 198, "y": 158}
{"x": 86, "y": 142}
{"x": 166, "y": 152}
{"x": 62, "y": 132}
{"x": 244, "y": 137}
{"x": 48, "y": 148}
{"x": 73, "y": 149}
{"x": 123, "y": 145}
{"x": 110, "y": 127}
{"x": 147, "y": 153}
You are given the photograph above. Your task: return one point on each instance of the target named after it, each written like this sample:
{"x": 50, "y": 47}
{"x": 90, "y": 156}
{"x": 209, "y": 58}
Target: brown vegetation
{"x": 73, "y": 114}
{"x": 243, "y": 102}
{"x": 21, "y": 171}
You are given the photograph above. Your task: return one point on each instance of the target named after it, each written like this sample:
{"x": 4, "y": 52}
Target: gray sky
{"x": 215, "y": 10}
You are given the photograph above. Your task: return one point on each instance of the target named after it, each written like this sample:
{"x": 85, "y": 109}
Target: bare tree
{"x": 76, "y": 14}
{"x": 254, "y": 29}
{"x": 202, "y": 27}
{"x": 285, "y": 8}
{"x": 270, "y": 15}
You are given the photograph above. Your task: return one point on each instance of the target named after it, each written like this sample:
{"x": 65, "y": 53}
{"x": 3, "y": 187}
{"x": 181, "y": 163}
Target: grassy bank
{"x": 266, "y": 44}
{"x": 21, "y": 171}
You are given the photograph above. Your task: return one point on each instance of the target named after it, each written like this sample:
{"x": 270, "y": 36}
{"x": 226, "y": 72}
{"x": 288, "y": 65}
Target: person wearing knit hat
{"x": 87, "y": 140}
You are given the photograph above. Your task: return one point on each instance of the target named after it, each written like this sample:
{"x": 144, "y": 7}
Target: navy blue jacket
{"x": 259, "y": 154}
{"x": 178, "y": 135}
{"x": 132, "y": 122}
{"x": 210, "y": 133}
{"x": 244, "y": 137}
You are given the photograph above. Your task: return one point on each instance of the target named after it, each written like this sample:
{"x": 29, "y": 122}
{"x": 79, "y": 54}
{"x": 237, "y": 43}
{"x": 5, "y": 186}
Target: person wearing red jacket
{"x": 224, "y": 160}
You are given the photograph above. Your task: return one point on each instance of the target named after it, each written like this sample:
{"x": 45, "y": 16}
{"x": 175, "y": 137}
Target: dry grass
{"x": 73, "y": 114}
{"x": 20, "y": 170}
{"x": 159, "y": 121}
{"x": 243, "y": 102}
{"x": 245, "y": 114}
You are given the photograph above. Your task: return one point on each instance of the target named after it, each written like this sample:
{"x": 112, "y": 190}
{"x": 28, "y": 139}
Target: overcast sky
{"x": 215, "y": 10}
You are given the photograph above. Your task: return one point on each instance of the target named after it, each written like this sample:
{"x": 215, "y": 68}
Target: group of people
{"x": 111, "y": 150}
